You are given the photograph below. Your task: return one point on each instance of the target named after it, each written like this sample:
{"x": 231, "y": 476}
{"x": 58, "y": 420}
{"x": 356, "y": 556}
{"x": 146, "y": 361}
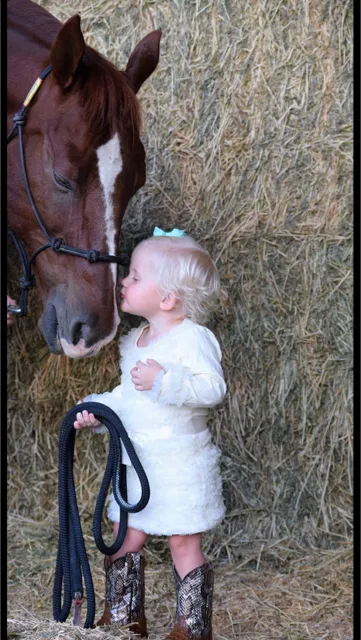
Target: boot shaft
{"x": 124, "y": 593}
{"x": 194, "y": 603}
{"x": 124, "y": 587}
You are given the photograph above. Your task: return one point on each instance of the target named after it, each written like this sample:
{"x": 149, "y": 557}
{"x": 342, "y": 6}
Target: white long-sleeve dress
{"x": 168, "y": 429}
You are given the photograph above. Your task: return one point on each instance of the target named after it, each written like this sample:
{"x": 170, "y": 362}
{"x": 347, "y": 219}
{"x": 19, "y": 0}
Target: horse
{"x": 84, "y": 161}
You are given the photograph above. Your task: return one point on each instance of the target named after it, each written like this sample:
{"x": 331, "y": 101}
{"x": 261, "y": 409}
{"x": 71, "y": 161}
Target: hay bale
{"x": 248, "y": 134}
{"x": 310, "y": 598}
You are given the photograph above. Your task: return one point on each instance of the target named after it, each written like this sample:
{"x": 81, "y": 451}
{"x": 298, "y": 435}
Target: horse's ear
{"x": 67, "y": 51}
{"x": 143, "y": 60}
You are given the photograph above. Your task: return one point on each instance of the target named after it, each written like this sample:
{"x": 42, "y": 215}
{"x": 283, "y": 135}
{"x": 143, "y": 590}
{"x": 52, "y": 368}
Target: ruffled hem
{"x": 157, "y": 385}
{"x": 174, "y": 530}
{"x": 169, "y": 524}
{"x": 171, "y": 387}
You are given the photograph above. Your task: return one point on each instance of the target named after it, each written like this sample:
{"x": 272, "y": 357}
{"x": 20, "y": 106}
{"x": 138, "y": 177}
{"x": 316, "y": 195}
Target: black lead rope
{"x": 72, "y": 561}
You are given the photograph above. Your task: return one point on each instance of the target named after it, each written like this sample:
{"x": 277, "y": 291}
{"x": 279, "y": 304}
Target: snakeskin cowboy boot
{"x": 194, "y": 605}
{"x": 124, "y": 593}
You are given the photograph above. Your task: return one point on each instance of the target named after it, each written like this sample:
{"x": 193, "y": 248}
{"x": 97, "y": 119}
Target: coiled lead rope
{"x": 72, "y": 560}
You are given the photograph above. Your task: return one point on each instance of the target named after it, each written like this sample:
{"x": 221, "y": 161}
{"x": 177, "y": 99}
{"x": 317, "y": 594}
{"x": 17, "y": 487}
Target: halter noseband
{"x": 56, "y": 244}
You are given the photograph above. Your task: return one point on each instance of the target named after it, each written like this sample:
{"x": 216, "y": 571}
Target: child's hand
{"x": 143, "y": 375}
{"x": 85, "y": 419}
{"x": 10, "y": 316}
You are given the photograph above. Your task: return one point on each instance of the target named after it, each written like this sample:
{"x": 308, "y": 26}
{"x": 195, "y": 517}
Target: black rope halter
{"x": 56, "y": 244}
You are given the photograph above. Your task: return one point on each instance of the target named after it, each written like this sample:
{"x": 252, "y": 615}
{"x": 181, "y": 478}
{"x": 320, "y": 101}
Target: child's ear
{"x": 168, "y": 302}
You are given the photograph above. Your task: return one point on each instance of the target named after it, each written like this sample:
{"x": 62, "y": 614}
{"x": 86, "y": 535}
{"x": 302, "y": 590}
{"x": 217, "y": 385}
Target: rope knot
{"x": 26, "y": 283}
{"x": 19, "y": 119}
{"x": 56, "y": 244}
{"x": 93, "y": 255}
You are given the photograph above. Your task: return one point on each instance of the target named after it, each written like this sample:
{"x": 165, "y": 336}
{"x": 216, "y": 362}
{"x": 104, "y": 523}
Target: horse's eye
{"x": 63, "y": 182}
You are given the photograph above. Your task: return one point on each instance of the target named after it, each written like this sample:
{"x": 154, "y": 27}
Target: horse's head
{"x": 84, "y": 160}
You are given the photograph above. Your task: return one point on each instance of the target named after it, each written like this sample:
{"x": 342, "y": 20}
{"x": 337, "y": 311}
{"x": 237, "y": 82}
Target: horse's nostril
{"x": 76, "y": 332}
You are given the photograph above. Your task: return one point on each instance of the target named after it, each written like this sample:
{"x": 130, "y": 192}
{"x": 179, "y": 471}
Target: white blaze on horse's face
{"x": 109, "y": 166}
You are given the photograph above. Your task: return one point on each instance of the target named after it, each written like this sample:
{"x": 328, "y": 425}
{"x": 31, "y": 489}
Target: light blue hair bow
{"x": 175, "y": 232}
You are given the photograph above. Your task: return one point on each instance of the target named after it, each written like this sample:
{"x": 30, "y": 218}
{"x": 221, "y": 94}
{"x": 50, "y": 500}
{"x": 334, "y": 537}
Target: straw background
{"x": 247, "y": 125}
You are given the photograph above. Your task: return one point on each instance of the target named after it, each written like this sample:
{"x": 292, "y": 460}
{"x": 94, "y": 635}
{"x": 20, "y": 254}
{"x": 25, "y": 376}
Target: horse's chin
{"x": 78, "y": 350}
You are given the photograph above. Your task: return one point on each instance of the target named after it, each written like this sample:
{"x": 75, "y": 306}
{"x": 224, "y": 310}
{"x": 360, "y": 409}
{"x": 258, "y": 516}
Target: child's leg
{"x": 194, "y": 589}
{"x": 124, "y": 577}
{"x": 134, "y": 541}
{"x": 186, "y": 552}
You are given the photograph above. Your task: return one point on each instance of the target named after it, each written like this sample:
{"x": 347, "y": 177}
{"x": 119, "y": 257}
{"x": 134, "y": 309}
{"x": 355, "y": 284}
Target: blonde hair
{"x": 185, "y": 269}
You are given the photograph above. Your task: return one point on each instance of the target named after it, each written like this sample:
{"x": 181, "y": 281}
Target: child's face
{"x": 139, "y": 293}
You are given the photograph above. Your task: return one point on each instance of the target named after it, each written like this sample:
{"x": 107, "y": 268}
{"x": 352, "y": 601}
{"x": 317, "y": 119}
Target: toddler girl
{"x": 171, "y": 374}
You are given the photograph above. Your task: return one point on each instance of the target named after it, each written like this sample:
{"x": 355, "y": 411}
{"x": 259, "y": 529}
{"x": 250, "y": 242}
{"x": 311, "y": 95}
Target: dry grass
{"x": 247, "y": 128}
{"x": 311, "y": 598}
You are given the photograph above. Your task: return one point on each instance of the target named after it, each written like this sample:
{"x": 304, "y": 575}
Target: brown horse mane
{"x": 107, "y": 96}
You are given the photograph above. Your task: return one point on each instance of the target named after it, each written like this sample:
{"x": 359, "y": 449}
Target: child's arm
{"x": 199, "y": 382}
{"x": 202, "y": 385}
{"x": 111, "y": 399}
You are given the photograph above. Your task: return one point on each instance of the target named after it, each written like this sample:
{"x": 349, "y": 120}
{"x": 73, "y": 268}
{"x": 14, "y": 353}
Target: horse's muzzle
{"x": 74, "y": 332}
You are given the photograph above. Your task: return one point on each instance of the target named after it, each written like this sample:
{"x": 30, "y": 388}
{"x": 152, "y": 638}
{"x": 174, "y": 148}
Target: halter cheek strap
{"x": 20, "y": 117}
